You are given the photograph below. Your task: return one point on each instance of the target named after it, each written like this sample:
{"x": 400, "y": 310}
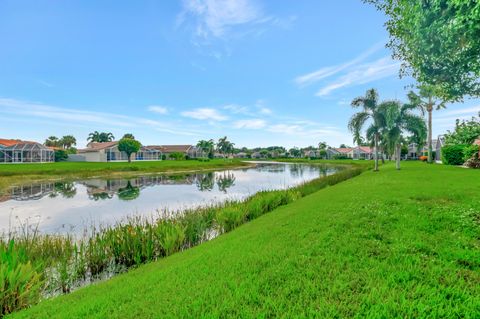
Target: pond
{"x": 70, "y": 206}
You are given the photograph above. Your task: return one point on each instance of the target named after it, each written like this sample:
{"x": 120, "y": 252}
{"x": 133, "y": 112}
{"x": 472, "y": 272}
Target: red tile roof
{"x": 343, "y": 149}
{"x": 8, "y": 142}
{"x": 366, "y": 149}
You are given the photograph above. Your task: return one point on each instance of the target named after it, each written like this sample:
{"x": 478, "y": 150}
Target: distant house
{"x": 109, "y": 152}
{"x": 241, "y": 155}
{"x": 18, "y": 151}
{"x": 437, "y": 144}
{"x": 189, "y": 150}
{"x": 311, "y": 153}
{"x": 359, "y": 152}
{"x": 257, "y": 155}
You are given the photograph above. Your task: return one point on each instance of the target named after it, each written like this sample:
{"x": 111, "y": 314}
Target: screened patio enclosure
{"x": 26, "y": 153}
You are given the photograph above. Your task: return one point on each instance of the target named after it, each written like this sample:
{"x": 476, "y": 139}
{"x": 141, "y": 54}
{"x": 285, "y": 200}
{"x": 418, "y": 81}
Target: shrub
{"x": 423, "y": 158}
{"x": 19, "y": 281}
{"x": 453, "y": 154}
{"x": 340, "y": 156}
{"x": 61, "y": 155}
{"x": 470, "y": 151}
{"x": 473, "y": 163}
{"x": 176, "y": 156}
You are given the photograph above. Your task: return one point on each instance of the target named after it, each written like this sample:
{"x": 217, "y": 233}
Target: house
{"x": 241, "y": 155}
{"x": 109, "y": 152}
{"x": 190, "y": 151}
{"x": 437, "y": 144}
{"x": 18, "y": 151}
{"x": 257, "y": 155}
{"x": 359, "y": 152}
{"x": 311, "y": 153}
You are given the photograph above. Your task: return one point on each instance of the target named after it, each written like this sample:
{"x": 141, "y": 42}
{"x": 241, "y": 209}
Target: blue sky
{"x": 262, "y": 72}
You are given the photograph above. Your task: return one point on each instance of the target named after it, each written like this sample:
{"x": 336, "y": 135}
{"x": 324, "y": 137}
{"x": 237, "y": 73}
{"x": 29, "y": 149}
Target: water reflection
{"x": 78, "y": 202}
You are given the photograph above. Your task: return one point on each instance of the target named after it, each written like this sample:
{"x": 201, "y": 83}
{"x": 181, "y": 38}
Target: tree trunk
{"x": 430, "y": 150}
{"x": 398, "y": 151}
{"x": 376, "y": 152}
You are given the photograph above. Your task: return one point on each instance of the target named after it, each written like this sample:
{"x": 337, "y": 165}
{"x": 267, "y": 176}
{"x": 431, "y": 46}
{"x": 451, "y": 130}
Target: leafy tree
{"x": 426, "y": 102}
{"x": 100, "y": 137}
{"x": 466, "y": 132}
{"x": 129, "y": 146}
{"x": 398, "y": 118}
{"x": 295, "y": 152}
{"x": 68, "y": 141}
{"x": 438, "y": 42}
{"x": 369, "y": 104}
{"x": 343, "y": 145}
{"x": 206, "y": 146}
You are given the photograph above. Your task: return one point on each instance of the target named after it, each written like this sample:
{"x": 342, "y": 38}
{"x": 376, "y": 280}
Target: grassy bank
{"x": 56, "y": 264}
{"x": 15, "y": 174}
{"x": 387, "y": 244}
{"x": 62, "y": 168}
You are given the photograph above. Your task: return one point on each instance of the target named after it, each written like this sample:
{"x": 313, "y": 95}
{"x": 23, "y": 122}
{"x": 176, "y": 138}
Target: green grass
{"x": 84, "y": 167}
{"x": 382, "y": 245}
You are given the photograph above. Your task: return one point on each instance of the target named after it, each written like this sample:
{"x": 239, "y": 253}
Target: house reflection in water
{"x": 125, "y": 189}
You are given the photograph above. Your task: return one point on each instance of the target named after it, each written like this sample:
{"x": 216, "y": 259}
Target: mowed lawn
{"x": 391, "y": 244}
{"x": 90, "y": 167}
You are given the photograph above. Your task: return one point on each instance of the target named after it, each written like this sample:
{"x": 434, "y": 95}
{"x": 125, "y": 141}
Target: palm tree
{"x": 52, "y": 141}
{"x": 224, "y": 146}
{"x": 68, "y": 141}
{"x": 398, "y": 118}
{"x": 369, "y": 105}
{"x": 206, "y": 146}
{"x": 426, "y": 102}
{"x": 106, "y": 137}
{"x": 93, "y": 137}
{"x": 100, "y": 137}
{"x": 128, "y": 135}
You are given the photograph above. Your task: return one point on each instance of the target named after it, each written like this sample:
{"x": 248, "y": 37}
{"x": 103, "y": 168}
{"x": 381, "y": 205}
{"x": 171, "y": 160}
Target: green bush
{"x": 470, "y": 151}
{"x": 340, "y": 156}
{"x": 61, "y": 155}
{"x": 20, "y": 283}
{"x": 453, "y": 154}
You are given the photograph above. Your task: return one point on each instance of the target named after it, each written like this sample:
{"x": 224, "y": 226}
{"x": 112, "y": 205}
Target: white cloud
{"x": 205, "y": 114}
{"x": 215, "y": 17}
{"x": 236, "y": 109}
{"x": 158, "y": 109}
{"x": 26, "y": 109}
{"x": 250, "y": 124}
{"x": 469, "y": 110}
{"x": 328, "y": 71}
{"x": 361, "y": 74}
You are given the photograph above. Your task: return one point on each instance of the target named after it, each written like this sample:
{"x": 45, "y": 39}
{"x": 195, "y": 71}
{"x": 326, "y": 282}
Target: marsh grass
{"x": 35, "y": 264}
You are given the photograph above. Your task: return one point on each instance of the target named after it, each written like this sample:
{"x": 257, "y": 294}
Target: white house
{"x": 109, "y": 152}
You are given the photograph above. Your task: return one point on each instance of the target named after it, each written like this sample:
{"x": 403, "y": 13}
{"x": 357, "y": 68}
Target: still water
{"x": 70, "y": 206}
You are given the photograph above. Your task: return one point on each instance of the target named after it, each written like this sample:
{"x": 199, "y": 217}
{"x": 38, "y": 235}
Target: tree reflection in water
{"x": 66, "y": 189}
{"x": 100, "y": 196}
{"x": 129, "y": 192}
{"x": 205, "y": 182}
{"x": 225, "y": 181}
